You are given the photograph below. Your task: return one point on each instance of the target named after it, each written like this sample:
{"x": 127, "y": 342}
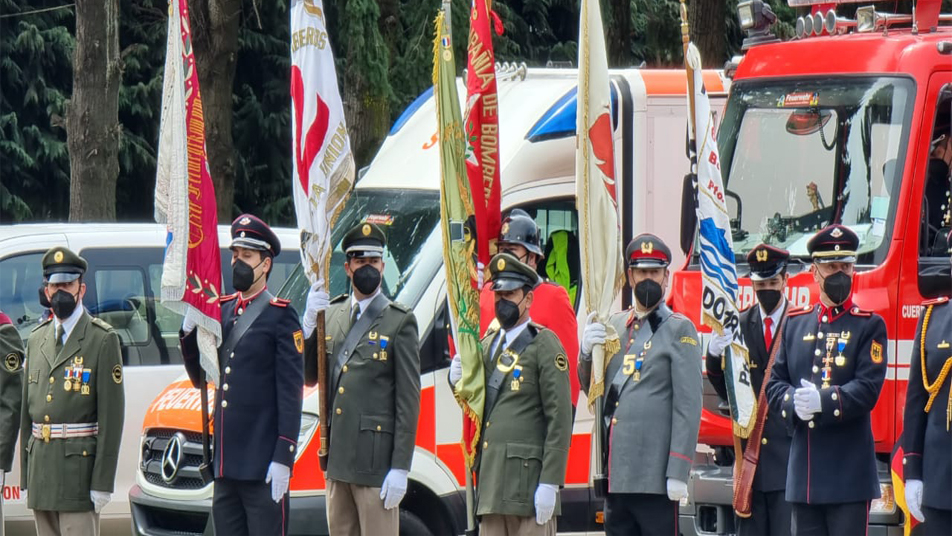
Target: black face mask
{"x": 44, "y": 301}
{"x": 507, "y": 313}
{"x": 648, "y": 293}
{"x": 366, "y": 279}
{"x": 838, "y": 287}
{"x": 769, "y": 298}
{"x": 243, "y": 275}
{"x": 63, "y": 304}
{"x": 938, "y": 170}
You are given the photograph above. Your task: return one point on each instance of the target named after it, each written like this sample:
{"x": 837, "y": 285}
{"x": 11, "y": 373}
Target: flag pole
{"x": 685, "y": 41}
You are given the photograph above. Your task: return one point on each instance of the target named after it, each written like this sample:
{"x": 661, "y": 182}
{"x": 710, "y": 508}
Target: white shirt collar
{"x": 774, "y": 317}
{"x": 364, "y": 303}
{"x": 70, "y": 322}
{"x": 511, "y": 335}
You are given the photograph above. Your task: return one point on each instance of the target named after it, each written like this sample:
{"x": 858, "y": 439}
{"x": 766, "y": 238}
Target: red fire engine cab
{"x": 834, "y": 126}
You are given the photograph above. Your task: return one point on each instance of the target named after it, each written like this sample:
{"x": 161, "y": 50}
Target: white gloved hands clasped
{"x": 100, "y": 499}
{"x": 719, "y": 343}
{"x": 914, "y": 499}
{"x": 317, "y": 300}
{"x": 480, "y": 275}
{"x": 456, "y": 369}
{"x": 279, "y": 475}
{"x": 806, "y": 400}
{"x": 394, "y": 488}
{"x": 594, "y": 333}
{"x": 677, "y": 490}
{"x": 545, "y": 496}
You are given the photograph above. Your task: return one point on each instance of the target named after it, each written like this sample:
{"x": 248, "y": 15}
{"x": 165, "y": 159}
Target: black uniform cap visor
{"x": 511, "y": 282}
{"x": 249, "y": 243}
{"x": 768, "y": 273}
{"x": 648, "y": 263}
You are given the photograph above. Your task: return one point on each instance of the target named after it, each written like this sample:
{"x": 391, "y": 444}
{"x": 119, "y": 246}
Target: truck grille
{"x": 171, "y": 458}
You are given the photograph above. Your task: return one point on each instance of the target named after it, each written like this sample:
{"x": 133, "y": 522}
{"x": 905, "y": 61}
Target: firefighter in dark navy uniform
{"x": 926, "y": 435}
{"x": 770, "y": 511}
{"x": 551, "y": 307}
{"x": 652, "y": 400}
{"x": 373, "y": 355}
{"x": 258, "y": 403}
{"x": 825, "y": 381}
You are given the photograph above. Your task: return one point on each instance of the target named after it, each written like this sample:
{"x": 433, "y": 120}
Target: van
{"x": 122, "y": 288}
{"x": 400, "y": 192}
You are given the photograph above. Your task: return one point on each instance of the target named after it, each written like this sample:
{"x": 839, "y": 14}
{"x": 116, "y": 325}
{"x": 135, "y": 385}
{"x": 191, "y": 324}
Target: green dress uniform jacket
{"x": 60, "y": 473}
{"x": 526, "y": 434}
{"x": 374, "y": 396}
{"x": 11, "y": 390}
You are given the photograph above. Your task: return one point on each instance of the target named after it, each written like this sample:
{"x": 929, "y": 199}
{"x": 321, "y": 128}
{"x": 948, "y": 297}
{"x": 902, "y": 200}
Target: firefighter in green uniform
{"x": 73, "y": 407}
{"x": 527, "y": 419}
{"x": 11, "y": 392}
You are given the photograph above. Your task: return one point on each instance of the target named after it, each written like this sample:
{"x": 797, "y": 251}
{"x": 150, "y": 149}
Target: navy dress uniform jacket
{"x": 927, "y": 441}
{"x": 258, "y": 404}
{"x": 771, "y": 472}
{"x": 832, "y": 457}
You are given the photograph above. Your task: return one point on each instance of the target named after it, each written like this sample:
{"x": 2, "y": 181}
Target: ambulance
{"x": 834, "y": 126}
{"x": 399, "y": 191}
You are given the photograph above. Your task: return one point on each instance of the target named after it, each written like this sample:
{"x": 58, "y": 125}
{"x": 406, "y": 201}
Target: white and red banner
{"x": 323, "y": 162}
{"x": 599, "y": 226}
{"x": 481, "y": 121}
{"x": 185, "y": 196}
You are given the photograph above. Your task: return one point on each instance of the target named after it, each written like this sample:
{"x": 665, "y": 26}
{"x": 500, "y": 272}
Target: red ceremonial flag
{"x": 481, "y": 120}
{"x": 185, "y": 196}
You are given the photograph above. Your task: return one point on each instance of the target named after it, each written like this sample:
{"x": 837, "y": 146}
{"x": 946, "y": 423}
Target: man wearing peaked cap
{"x": 373, "y": 358}
{"x": 260, "y": 392}
{"x": 527, "y": 412}
{"x": 927, "y": 422}
{"x": 651, "y": 406}
{"x": 73, "y": 402}
{"x": 551, "y": 306}
{"x": 827, "y": 377}
{"x": 760, "y": 326}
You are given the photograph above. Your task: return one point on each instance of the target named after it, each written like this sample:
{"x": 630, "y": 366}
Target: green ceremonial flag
{"x": 456, "y": 213}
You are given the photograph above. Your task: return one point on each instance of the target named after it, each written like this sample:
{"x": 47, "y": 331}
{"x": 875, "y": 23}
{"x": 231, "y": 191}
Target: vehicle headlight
{"x": 886, "y": 503}
{"x": 308, "y": 427}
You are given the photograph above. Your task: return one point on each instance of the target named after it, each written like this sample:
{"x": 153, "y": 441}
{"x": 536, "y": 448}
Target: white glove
{"x": 480, "y": 268}
{"x": 279, "y": 475}
{"x": 394, "y": 488}
{"x": 914, "y": 499}
{"x": 677, "y": 490}
{"x": 545, "y": 502}
{"x": 317, "y": 300}
{"x": 718, "y": 343}
{"x": 188, "y": 323}
{"x": 456, "y": 370}
{"x": 594, "y": 333}
{"x": 99, "y": 499}
{"x": 806, "y": 400}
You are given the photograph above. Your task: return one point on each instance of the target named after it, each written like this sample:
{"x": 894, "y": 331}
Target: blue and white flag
{"x": 719, "y": 298}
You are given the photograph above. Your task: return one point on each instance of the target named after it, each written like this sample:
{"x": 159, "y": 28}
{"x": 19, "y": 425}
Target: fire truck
{"x": 834, "y": 126}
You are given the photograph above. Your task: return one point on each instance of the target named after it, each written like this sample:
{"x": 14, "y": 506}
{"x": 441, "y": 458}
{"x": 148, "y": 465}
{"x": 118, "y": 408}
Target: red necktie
{"x": 768, "y": 336}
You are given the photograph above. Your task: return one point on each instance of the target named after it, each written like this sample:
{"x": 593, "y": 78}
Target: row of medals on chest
{"x": 834, "y": 341}
{"x": 76, "y": 378}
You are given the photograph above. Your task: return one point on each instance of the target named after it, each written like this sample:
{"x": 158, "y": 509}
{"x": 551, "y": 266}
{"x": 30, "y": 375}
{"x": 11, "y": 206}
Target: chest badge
{"x": 384, "y": 342}
{"x": 515, "y": 384}
{"x": 809, "y": 337}
{"x": 942, "y": 345}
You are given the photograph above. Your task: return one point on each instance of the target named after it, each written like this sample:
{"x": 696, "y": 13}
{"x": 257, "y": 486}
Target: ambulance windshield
{"x": 414, "y": 244}
{"x": 800, "y": 154}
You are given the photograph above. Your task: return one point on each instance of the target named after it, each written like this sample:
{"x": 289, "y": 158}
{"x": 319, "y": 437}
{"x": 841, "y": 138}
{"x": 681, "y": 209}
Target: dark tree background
{"x": 384, "y": 61}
